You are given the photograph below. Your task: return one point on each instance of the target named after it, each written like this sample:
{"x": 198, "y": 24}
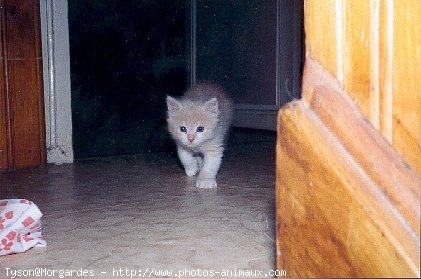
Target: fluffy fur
{"x": 199, "y": 122}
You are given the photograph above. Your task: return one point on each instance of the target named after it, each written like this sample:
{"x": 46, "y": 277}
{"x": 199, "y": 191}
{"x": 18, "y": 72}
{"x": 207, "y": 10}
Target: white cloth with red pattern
{"x": 20, "y": 226}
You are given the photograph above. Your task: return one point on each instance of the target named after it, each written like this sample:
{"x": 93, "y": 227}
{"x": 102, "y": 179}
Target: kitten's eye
{"x": 183, "y": 129}
{"x": 200, "y": 129}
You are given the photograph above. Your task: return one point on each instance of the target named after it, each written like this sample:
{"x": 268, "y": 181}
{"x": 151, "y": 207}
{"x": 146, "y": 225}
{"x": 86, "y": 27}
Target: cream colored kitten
{"x": 199, "y": 122}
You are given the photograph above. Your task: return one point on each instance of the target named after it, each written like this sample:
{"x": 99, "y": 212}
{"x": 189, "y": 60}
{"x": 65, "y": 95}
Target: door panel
{"x": 22, "y": 124}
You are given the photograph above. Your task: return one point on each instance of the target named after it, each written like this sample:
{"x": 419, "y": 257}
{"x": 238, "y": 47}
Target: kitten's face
{"x": 191, "y": 123}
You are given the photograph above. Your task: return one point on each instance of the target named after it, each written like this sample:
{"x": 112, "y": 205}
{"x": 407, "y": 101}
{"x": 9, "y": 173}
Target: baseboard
{"x": 264, "y": 119}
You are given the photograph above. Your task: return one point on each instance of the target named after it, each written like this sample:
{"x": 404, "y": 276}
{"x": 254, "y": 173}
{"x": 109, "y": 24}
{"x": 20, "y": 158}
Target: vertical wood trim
{"x": 7, "y": 95}
{"x": 406, "y": 131}
{"x": 339, "y": 7}
{"x": 3, "y": 127}
{"x": 39, "y": 80}
{"x": 386, "y": 123}
{"x": 374, "y": 63}
{"x": 320, "y": 32}
{"x": 3, "y": 109}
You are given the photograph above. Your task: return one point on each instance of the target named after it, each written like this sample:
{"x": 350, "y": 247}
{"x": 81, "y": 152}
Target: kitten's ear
{"x": 173, "y": 105}
{"x": 212, "y": 106}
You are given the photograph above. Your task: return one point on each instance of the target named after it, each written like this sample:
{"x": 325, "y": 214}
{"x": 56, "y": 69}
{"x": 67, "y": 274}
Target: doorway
{"x": 159, "y": 48}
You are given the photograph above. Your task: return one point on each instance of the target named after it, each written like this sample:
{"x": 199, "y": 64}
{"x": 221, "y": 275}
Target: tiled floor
{"x": 142, "y": 212}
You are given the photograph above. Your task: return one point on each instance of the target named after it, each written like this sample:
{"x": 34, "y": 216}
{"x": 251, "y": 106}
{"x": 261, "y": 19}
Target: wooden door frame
{"x": 56, "y": 73}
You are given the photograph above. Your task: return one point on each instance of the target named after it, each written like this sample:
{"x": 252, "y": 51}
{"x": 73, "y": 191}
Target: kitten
{"x": 199, "y": 122}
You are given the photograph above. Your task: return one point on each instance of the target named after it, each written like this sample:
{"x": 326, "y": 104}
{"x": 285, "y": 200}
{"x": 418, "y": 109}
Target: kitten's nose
{"x": 190, "y": 137}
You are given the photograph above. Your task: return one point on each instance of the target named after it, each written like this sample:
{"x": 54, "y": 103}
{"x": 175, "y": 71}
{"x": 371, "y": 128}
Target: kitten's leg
{"x": 199, "y": 161}
{"x": 189, "y": 162}
{"x": 211, "y": 163}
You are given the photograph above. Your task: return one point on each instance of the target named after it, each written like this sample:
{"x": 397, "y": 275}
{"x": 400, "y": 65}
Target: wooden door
{"x": 22, "y": 126}
{"x": 349, "y": 152}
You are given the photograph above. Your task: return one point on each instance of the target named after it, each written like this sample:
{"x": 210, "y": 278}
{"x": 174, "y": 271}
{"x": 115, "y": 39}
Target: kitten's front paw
{"x": 206, "y": 183}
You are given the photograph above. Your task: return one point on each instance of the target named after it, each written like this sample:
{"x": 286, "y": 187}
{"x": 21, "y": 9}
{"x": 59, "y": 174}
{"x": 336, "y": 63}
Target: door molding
{"x": 56, "y": 73}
